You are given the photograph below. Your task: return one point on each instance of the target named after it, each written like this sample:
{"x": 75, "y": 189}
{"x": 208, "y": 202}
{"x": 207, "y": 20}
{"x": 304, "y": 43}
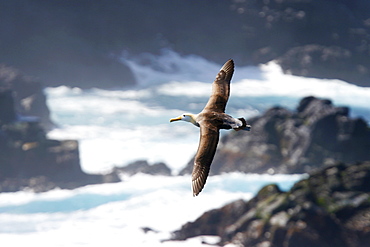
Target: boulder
{"x": 142, "y": 166}
{"x": 329, "y": 208}
{"x": 28, "y": 95}
{"x": 284, "y": 141}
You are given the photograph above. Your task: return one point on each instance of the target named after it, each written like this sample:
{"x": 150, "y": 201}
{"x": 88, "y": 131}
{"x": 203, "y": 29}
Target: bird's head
{"x": 187, "y": 117}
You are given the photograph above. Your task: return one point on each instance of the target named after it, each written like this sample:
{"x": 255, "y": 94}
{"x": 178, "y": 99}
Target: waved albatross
{"x": 210, "y": 120}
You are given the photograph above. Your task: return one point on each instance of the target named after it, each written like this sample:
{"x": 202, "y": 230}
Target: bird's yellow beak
{"x": 175, "y": 119}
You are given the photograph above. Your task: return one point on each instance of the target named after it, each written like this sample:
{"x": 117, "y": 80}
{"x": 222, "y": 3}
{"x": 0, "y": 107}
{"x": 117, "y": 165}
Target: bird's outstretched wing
{"x": 209, "y": 136}
{"x": 221, "y": 88}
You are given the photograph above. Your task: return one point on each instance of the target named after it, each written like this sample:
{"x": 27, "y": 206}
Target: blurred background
{"x": 87, "y": 154}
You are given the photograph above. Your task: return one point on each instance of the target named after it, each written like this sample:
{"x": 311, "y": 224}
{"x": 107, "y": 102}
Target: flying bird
{"x": 210, "y": 120}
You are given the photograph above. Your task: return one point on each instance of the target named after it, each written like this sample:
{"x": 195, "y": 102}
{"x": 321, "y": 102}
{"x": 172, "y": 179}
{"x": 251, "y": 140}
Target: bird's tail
{"x": 244, "y": 126}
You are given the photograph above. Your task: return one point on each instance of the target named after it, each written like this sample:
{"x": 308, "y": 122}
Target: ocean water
{"x": 119, "y": 126}
{"x": 114, "y": 214}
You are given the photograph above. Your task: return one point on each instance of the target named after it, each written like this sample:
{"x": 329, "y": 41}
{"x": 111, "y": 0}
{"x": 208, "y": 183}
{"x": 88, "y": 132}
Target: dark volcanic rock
{"x": 7, "y": 113}
{"x": 142, "y": 166}
{"x": 29, "y": 160}
{"x": 325, "y": 62}
{"x": 330, "y": 208}
{"x": 326, "y": 39}
{"x": 81, "y": 43}
{"x": 282, "y": 141}
{"x": 29, "y": 98}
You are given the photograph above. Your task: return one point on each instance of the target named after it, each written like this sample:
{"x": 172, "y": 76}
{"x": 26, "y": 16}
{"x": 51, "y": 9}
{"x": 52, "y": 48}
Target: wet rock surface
{"x": 329, "y": 208}
{"x": 284, "y": 141}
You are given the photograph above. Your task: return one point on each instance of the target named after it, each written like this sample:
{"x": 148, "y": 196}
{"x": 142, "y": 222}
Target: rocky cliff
{"x": 330, "y": 208}
{"x": 81, "y": 42}
{"x": 284, "y": 141}
{"x": 325, "y": 39}
{"x": 28, "y": 159}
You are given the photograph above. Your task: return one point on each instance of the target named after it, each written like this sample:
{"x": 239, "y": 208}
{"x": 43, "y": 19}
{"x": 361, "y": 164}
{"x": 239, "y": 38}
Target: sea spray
{"x": 116, "y": 127}
{"x": 116, "y": 213}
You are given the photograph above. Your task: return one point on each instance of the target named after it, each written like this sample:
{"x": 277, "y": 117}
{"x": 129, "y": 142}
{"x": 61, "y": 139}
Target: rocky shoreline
{"x": 83, "y": 46}
{"x": 316, "y": 134}
{"x": 329, "y": 208}
{"x": 28, "y": 159}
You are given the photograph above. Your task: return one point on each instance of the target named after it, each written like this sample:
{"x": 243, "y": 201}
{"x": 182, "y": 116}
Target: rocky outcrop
{"x": 282, "y": 141}
{"x": 142, "y": 166}
{"x": 326, "y": 62}
{"x": 81, "y": 44}
{"x": 329, "y": 208}
{"x": 29, "y": 160}
{"x": 29, "y": 98}
{"x": 7, "y": 113}
{"x": 325, "y": 39}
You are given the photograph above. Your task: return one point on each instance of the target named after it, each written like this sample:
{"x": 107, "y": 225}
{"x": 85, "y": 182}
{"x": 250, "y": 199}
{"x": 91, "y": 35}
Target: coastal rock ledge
{"x": 329, "y": 208}
{"x": 317, "y": 133}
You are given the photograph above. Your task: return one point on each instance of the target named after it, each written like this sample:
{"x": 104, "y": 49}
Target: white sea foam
{"x": 102, "y": 148}
{"x": 275, "y": 83}
{"x": 115, "y": 127}
{"x": 170, "y": 66}
{"x": 190, "y": 76}
{"x": 115, "y": 213}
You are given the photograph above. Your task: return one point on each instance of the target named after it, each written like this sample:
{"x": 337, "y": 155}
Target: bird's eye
{"x": 184, "y": 115}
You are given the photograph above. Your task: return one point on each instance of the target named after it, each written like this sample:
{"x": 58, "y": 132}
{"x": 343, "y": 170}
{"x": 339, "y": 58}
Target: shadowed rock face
{"x": 29, "y": 160}
{"x": 329, "y": 208}
{"x": 29, "y": 98}
{"x": 282, "y": 141}
{"x": 7, "y": 113}
{"x": 81, "y": 43}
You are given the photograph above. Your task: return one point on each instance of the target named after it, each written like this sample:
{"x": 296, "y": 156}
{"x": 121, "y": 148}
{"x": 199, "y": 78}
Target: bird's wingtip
{"x": 197, "y": 187}
{"x": 228, "y": 67}
{"x": 196, "y": 193}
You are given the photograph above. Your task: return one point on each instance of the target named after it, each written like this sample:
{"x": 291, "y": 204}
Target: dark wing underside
{"x": 221, "y": 88}
{"x": 209, "y": 126}
{"x": 209, "y": 136}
